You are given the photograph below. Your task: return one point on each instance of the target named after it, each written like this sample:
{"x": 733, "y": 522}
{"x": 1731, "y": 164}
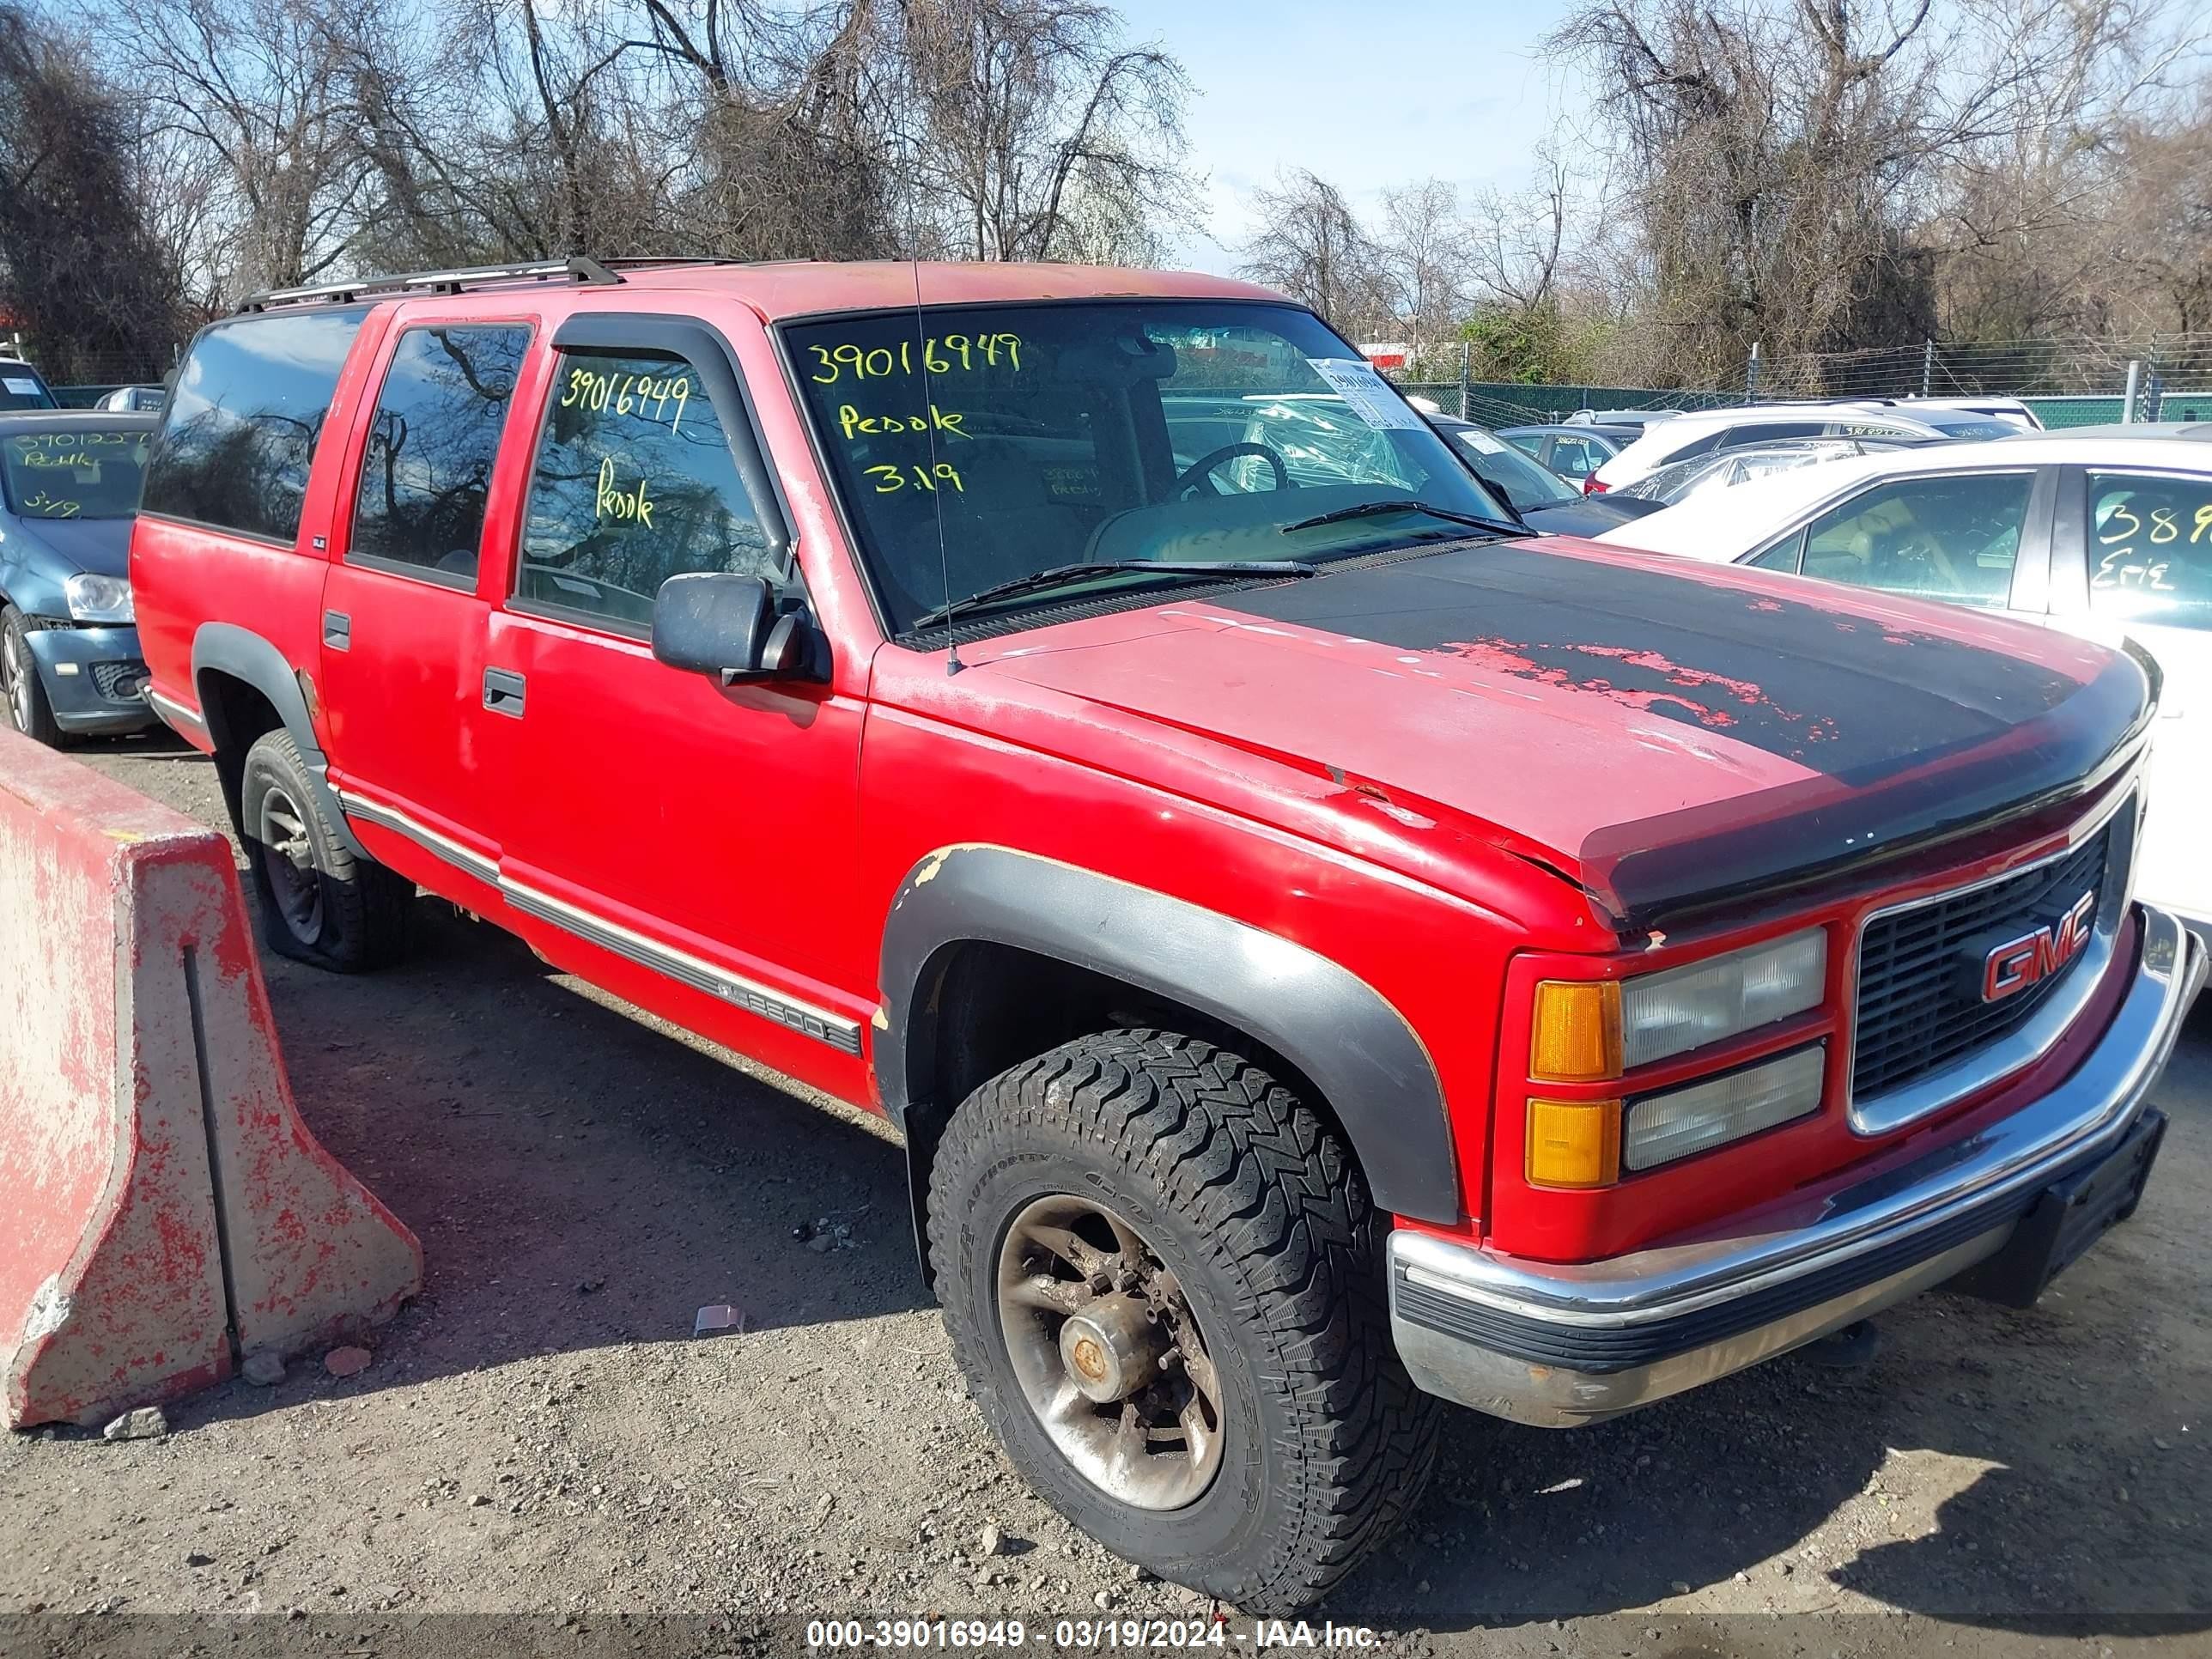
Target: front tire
{"x": 319, "y": 902}
{"x": 29, "y": 709}
{"x": 1135, "y": 1194}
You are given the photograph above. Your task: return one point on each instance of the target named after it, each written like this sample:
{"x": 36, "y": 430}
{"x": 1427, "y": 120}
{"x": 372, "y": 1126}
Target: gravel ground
{"x": 543, "y": 1435}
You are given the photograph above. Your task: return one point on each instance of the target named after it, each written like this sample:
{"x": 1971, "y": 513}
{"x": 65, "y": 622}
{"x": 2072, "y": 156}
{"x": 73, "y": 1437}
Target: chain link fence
{"x": 2073, "y": 381}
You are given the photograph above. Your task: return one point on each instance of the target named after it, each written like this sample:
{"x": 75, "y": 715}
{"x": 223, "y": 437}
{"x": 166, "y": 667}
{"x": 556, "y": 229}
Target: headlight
{"x": 1685, "y": 1008}
{"x": 1665, "y": 1127}
{"x": 98, "y": 599}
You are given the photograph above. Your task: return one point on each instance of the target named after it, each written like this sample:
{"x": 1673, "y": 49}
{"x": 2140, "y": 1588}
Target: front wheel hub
{"x": 1111, "y": 1348}
{"x": 1109, "y": 1353}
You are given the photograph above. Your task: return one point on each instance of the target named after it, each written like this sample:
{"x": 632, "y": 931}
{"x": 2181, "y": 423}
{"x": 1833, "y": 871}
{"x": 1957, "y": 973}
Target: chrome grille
{"x": 1919, "y": 1007}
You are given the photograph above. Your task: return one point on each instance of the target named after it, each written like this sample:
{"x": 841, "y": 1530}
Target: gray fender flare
{"x": 1357, "y": 1049}
{"x": 227, "y": 648}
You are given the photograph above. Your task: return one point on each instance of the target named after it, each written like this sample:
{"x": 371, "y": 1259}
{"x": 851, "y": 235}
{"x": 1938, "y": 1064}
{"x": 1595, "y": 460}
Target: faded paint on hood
{"x": 1599, "y": 704}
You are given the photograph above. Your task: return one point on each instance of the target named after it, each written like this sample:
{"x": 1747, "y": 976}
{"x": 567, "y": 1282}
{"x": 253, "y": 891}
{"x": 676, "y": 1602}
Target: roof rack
{"x": 577, "y": 267}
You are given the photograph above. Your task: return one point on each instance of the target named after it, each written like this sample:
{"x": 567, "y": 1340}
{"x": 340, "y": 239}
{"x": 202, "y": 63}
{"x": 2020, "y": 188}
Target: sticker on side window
{"x": 1365, "y": 393}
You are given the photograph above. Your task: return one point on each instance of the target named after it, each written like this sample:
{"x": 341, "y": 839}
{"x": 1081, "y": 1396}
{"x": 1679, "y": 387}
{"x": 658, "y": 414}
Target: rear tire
{"x": 319, "y": 901}
{"x": 29, "y": 709}
{"x": 1211, "y": 1208}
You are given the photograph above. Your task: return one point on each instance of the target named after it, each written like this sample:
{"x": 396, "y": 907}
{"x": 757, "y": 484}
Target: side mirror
{"x": 708, "y": 622}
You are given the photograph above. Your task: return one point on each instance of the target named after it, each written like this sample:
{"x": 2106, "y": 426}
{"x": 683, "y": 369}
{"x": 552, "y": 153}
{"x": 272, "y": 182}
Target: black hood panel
{"x": 1911, "y": 730}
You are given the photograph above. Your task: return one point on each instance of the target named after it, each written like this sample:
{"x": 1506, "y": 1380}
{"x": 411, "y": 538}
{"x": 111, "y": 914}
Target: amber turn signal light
{"x": 1577, "y": 1037}
{"x": 1573, "y": 1143}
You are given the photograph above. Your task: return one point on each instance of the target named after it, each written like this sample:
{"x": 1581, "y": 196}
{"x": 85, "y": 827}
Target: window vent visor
{"x": 1662, "y": 1128}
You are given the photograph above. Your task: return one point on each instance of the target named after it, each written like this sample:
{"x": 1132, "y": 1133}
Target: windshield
{"x": 22, "y": 388}
{"x": 1510, "y": 472}
{"x": 77, "y": 472}
{"x": 1968, "y": 426}
{"x": 1089, "y": 433}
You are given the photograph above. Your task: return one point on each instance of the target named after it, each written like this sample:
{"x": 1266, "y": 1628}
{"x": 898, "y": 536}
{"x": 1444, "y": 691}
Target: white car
{"x": 2103, "y": 535}
{"x": 1724, "y": 469}
{"x": 1699, "y": 432}
{"x": 2012, "y": 411}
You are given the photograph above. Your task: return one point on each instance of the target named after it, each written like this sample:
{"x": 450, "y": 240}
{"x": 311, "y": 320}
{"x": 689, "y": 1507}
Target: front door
{"x": 2143, "y": 571}
{"x": 403, "y": 624}
{"x": 673, "y": 838}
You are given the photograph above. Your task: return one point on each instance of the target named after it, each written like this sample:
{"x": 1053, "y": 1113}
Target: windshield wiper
{"x": 1060, "y": 574}
{"x": 1406, "y": 504}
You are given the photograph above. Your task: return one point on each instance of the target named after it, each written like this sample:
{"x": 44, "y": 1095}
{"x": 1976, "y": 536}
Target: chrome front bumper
{"x": 1559, "y": 1344}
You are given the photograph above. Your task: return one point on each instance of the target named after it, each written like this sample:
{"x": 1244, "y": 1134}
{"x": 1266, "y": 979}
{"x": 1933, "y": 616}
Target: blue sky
{"x": 1367, "y": 95}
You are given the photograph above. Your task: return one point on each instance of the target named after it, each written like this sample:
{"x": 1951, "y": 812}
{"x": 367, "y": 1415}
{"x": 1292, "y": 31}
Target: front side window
{"x": 1951, "y": 538}
{"x": 2150, "y": 548}
{"x": 977, "y": 446}
{"x": 1509, "y": 472}
{"x": 426, "y": 472}
{"x": 242, "y": 426}
{"x": 74, "y": 472}
{"x": 634, "y": 483}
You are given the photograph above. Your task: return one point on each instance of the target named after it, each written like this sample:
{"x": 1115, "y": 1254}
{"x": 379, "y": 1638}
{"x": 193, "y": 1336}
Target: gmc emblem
{"x": 2032, "y": 957}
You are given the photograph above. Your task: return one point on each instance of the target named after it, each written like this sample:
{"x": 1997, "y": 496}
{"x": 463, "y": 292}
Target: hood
{"x": 101, "y": 546}
{"x": 1667, "y": 731}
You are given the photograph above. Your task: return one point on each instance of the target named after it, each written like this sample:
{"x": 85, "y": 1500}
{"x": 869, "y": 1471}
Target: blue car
{"x": 69, "y": 663}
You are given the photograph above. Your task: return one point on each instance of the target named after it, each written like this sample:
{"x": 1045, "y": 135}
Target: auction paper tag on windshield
{"x": 22, "y": 388}
{"x": 1365, "y": 392}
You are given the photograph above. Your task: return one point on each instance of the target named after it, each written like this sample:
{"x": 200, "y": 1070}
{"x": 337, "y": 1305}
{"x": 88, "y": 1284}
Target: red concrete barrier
{"x": 163, "y": 1210}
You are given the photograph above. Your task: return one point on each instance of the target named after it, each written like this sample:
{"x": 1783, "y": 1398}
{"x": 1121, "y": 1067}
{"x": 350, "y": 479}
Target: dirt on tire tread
{"x": 1259, "y": 1172}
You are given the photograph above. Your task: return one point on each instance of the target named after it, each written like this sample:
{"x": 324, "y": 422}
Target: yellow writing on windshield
{"x": 70, "y": 439}
{"x": 628, "y": 505}
{"x": 51, "y": 507}
{"x": 944, "y": 354}
{"x": 853, "y": 424}
{"x": 891, "y": 479}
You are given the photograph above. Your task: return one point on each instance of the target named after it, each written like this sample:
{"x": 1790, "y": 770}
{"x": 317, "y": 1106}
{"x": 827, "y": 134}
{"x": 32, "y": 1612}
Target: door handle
{"x": 337, "y": 630}
{"x": 502, "y": 692}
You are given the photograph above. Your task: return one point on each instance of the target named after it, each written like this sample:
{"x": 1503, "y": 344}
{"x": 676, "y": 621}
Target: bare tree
{"x": 79, "y": 270}
{"x": 1031, "y": 121}
{"x": 1822, "y": 174}
{"x": 1313, "y": 247}
{"x": 265, "y": 87}
{"x": 1424, "y": 247}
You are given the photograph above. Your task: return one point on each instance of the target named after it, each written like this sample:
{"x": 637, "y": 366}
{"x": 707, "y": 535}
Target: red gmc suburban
{"x": 1327, "y": 951}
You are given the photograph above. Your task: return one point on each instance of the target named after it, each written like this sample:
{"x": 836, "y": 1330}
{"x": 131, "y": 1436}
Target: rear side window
{"x": 426, "y": 467}
{"x": 2150, "y": 548}
{"x": 634, "y": 483}
{"x": 1949, "y": 538}
{"x": 245, "y": 420}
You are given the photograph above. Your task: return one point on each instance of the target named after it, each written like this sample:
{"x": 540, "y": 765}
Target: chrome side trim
{"x": 174, "y": 713}
{"x": 840, "y": 1033}
{"x": 823, "y": 1026}
{"x": 2088, "y": 1113}
{"x": 700, "y": 974}
{"x": 464, "y": 858}
{"x": 2022, "y": 1046}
